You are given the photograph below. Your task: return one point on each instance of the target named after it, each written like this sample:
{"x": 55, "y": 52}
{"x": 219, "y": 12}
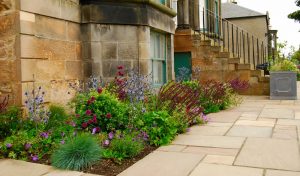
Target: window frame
{"x": 162, "y": 38}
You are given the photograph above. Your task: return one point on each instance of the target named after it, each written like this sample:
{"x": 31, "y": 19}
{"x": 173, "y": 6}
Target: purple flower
{"x": 27, "y": 146}
{"x": 34, "y": 157}
{"x": 106, "y": 142}
{"x": 110, "y": 135}
{"x": 62, "y": 134}
{"x": 44, "y": 135}
{"x": 94, "y": 131}
{"x": 62, "y": 142}
{"x": 9, "y": 145}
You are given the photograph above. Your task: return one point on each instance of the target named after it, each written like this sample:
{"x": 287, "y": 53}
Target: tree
{"x": 295, "y": 15}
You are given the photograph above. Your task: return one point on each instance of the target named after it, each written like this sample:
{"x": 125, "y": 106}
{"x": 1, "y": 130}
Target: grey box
{"x": 283, "y": 85}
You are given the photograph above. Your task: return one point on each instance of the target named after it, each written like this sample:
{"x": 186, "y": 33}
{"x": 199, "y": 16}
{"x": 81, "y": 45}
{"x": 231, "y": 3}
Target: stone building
{"x": 217, "y": 49}
{"x": 52, "y": 43}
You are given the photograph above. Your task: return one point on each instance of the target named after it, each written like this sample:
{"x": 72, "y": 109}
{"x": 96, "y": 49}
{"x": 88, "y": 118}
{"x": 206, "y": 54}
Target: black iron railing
{"x": 233, "y": 39}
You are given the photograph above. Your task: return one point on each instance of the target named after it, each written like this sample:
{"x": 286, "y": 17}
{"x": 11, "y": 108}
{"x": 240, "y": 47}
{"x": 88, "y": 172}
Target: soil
{"x": 109, "y": 167}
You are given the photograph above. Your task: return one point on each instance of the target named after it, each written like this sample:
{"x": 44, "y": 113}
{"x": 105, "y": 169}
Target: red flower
{"x": 120, "y": 67}
{"x": 84, "y": 125}
{"x": 88, "y": 112}
{"x": 120, "y": 73}
{"x": 95, "y": 119}
{"x": 108, "y": 115}
{"x": 93, "y": 99}
{"x": 99, "y": 90}
{"x": 90, "y": 121}
{"x": 89, "y": 102}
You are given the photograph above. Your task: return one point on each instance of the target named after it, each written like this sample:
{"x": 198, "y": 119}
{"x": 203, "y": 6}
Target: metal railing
{"x": 233, "y": 39}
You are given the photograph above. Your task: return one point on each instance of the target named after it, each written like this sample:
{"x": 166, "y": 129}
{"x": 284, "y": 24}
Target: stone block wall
{"x": 51, "y": 47}
{"x": 9, "y": 50}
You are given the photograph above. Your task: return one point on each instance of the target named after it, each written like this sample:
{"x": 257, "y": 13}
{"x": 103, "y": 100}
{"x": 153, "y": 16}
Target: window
{"x": 158, "y": 57}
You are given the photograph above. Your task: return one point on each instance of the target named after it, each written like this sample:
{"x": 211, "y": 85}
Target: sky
{"x": 288, "y": 30}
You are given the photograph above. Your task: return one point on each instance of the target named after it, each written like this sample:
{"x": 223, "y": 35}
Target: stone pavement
{"x": 258, "y": 138}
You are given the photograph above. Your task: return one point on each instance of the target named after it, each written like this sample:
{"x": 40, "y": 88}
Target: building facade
{"x": 55, "y": 43}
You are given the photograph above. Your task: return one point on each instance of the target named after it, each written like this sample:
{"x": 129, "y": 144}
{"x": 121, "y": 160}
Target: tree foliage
{"x": 295, "y": 15}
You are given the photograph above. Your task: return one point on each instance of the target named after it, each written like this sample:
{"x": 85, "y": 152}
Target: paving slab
{"x": 172, "y": 148}
{"x": 285, "y": 132}
{"x": 164, "y": 163}
{"x": 204, "y": 169}
{"x": 281, "y": 173}
{"x": 250, "y": 131}
{"x": 270, "y": 153}
{"x": 219, "y": 159}
{"x": 208, "y": 130}
{"x": 64, "y": 173}
{"x": 219, "y": 124}
{"x": 227, "y": 117}
{"x": 278, "y": 113}
{"x": 211, "y": 151}
{"x": 18, "y": 168}
{"x": 209, "y": 141}
{"x": 259, "y": 123}
{"x": 288, "y": 122}
{"x": 249, "y": 115}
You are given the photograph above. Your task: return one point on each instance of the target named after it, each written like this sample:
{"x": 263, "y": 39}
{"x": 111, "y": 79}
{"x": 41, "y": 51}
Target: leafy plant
{"x": 10, "y": 121}
{"x": 177, "y": 94}
{"x": 284, "y": 65}
{"x": 159, "y": 126}
{"x": 77, "y": 154}
{"x": 128, "y": 146}
{"x": 57, "y": 116}
{"x": 100, "y": 111}
{"x": 239, "y": 85}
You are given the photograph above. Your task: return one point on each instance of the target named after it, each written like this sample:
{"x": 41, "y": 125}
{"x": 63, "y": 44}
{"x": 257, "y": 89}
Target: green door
{"x": 183, "y": 66}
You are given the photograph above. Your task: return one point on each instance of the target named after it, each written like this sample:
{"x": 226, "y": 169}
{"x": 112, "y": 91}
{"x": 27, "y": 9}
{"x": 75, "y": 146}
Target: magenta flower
{"x": 34, "y": 158}
{"x": 88, "y": 112}
{"x": 27, "y": 146}
{"x": 90, "y": 121}
{"x": 9, "y": 145}
{"x": 120, "y": 67}
{"x": 110, "y": 135}
{"x": 93, "y": 99}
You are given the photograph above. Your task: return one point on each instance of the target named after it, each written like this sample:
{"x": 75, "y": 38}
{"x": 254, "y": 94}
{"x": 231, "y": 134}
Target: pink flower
{"x": 34, "y": 157}
{"x": 88, "y": 112}
{"x": 84, "y": 125}
{"x": 110, "y": 135}
{"x": 108, "y": 115}
{"x": 62, "y": 142}
{"x": 9, "y": 145}
{"x": 106, "y": 142}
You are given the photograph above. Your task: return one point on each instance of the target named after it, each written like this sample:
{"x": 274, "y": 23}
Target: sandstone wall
{"x": 9, "y": 50}
{"x": 51, "y": 47}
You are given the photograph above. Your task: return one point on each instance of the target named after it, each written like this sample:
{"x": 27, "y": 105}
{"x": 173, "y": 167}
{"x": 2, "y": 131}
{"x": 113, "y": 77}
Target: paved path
{"x": 258, "y": 138}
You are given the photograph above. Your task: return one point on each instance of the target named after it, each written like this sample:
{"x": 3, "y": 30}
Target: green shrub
{"x": 57, "y": 116}
{"x": 180, "y": 119}
{"x": 285, "y": 65}
{"x": 125, "y": 147}
{"x": 160, "y": 127}
{"x": 10, "y": 121}
{"x": 77, "y": 154}
{"x": 101, "y": 110}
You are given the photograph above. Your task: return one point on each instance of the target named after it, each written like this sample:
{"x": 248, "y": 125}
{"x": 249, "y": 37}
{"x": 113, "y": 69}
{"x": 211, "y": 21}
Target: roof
{"x": 231, "y": 10}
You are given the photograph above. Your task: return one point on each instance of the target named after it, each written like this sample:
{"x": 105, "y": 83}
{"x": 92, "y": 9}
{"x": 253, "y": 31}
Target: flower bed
{"x": 112, "y": 126}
